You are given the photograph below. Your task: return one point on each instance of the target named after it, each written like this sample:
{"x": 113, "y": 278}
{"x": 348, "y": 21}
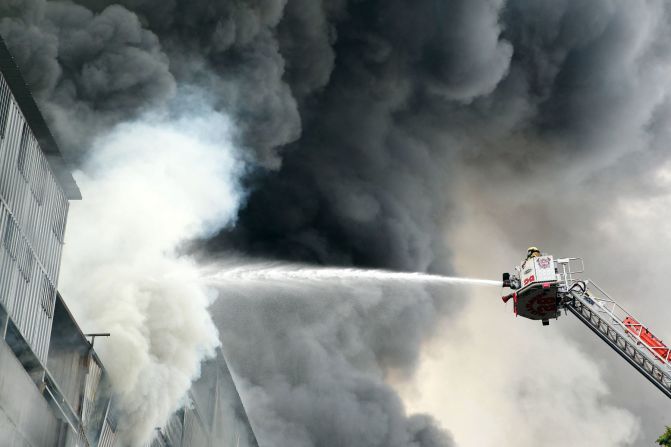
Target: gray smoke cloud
{"x": 96, "y": 63}
{"x": 322, "y": 356}
{"x": 377, "y": 127}
{"x": 89, "y": 71}
{"x": 366, "y": 182}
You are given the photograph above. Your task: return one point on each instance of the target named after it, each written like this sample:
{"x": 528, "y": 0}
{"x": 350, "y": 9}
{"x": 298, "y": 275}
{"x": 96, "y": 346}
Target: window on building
{"x": 23, "y": 149}
{"x": 17, "y": 248}
{"x": 60, "y": 214}
{"x": 8, "y": 236}
{"x": 48, "y": 296}
{"x": 39, "y": 183}
{"x": 27, "y": 261}
{"x": 5, "y": 99}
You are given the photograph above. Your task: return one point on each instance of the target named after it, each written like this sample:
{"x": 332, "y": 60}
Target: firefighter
{"x": 533, "y": 252}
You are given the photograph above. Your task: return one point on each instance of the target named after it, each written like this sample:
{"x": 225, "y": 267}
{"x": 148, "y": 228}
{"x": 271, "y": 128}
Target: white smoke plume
{"x": 149, "y": 186}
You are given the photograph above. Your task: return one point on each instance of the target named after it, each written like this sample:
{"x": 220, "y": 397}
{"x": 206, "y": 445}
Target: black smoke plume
{"x": 359, "y": 116}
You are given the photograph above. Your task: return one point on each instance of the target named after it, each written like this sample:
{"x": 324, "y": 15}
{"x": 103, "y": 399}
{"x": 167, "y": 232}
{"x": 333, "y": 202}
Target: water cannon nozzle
{"x": 506, "y": 280}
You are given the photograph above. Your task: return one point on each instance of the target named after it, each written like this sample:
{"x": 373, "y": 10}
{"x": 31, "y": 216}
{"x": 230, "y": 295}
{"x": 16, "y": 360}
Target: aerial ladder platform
{"x": 542, "y": 287}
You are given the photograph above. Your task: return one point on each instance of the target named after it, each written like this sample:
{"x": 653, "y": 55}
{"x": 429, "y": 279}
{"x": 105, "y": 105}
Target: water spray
{"x": 295, "y": 272}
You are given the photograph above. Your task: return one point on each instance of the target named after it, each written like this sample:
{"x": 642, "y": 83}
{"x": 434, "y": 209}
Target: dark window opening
{"x": 48, "y": 295}
{"x": 23, "y": 149}
{"x": 5, "y": 99}
{"x": 8, "y": 237}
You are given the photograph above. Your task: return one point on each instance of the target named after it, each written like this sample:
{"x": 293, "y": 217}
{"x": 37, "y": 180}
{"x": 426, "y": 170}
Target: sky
{"x": 439, "y": 136}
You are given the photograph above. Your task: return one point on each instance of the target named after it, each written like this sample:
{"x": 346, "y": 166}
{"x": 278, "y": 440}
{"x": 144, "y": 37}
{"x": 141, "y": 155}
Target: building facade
{"x": 214, "y": 415}
{"x": 53, "y": 388}
{"x": 33, "y": 211}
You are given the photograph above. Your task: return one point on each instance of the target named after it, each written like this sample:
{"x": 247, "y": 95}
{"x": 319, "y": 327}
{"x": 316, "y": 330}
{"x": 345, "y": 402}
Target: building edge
{"x": 38, "y": 125}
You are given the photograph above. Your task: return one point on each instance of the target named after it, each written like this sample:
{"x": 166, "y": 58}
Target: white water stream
{"x": 294, "y": 272}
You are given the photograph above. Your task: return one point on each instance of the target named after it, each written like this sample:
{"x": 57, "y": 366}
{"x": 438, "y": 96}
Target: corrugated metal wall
{"x": 80, "y": 378}
{"x": 183, "y": 429}
{"x": 67, "y": 407}
{"x": 214, "y": 416}
{"x": 107, "y": 437}
{"x": 25, "y": 416}
{"x": 33, "y": 211}
{"x": 90, "y": 391}
{"x": 69, "y": 351}
{"x": 195, "y": 433}
{"x": 174, "y": 430}
{"x": 76, "y": 439}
